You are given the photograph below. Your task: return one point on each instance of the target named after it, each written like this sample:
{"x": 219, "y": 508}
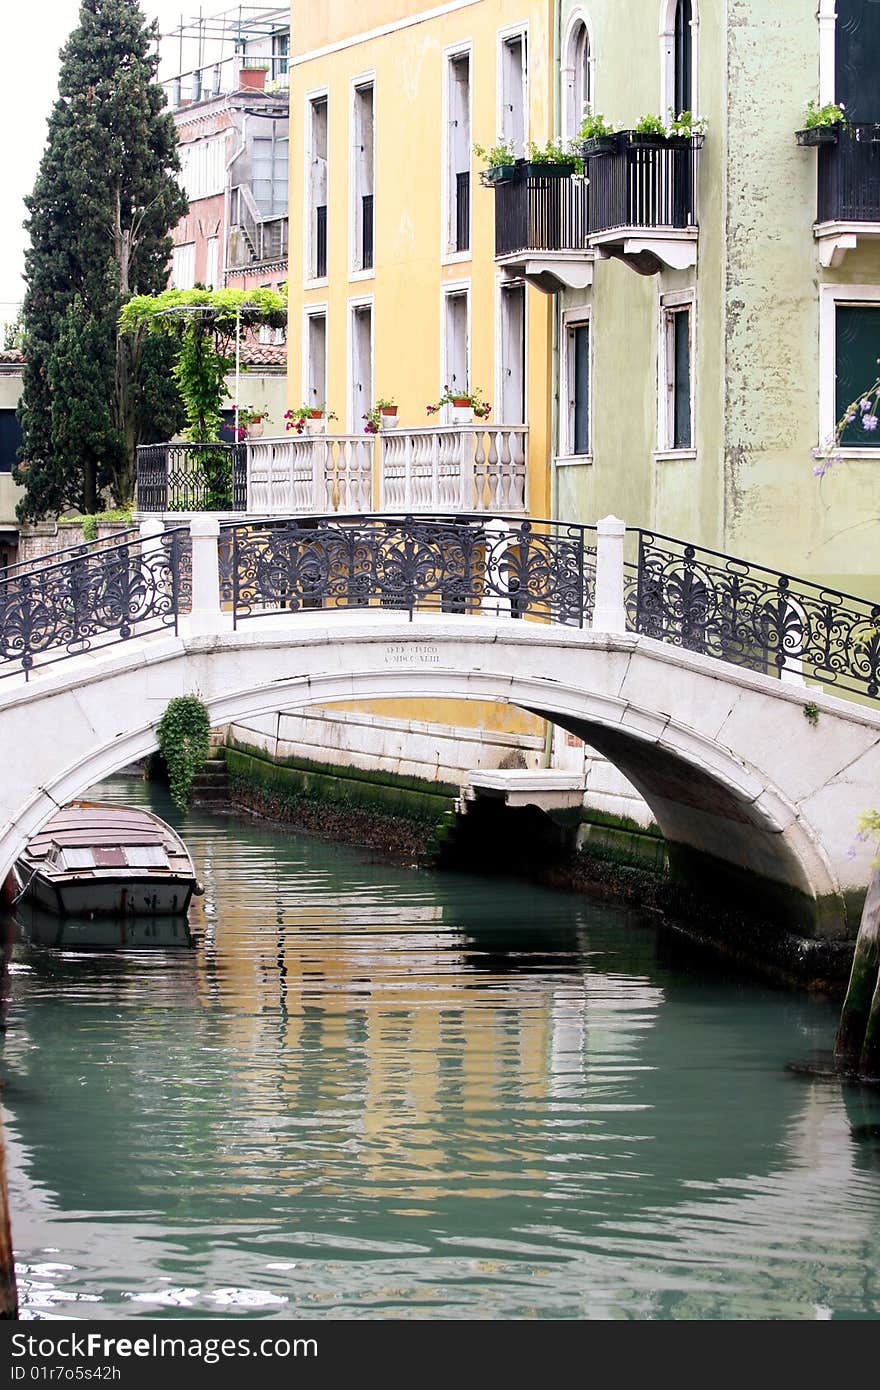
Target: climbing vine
{"x": 184, "y": 734}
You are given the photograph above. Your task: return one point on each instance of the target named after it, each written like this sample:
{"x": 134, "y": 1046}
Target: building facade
{"x": 733, "y": 304}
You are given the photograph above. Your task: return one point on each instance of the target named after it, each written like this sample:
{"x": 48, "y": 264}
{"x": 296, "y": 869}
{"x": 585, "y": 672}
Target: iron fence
{"x": 503, "y": 566}
{"x": 88, "y": 600}
{"x": 651, "y": 184}
{"x": 192, "y": 477}
{"x": 755, "y": 617}
{"x": 541, "y": 212}
{"x": 848, "y": 188}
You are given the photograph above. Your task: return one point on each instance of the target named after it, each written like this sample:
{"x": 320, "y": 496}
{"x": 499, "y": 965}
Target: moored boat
{"x": 96, "y": 859}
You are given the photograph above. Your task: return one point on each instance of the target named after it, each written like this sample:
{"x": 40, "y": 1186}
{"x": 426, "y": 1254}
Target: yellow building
{"x": 394, "y": 288}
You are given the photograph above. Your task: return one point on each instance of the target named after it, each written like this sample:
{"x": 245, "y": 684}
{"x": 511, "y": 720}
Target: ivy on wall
{"x": 184, "y": 734}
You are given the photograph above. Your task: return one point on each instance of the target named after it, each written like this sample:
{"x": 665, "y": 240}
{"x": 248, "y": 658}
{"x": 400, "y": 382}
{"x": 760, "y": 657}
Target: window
{"x": 683, "y": 68}
{"x": 856, "y": 59}
{"x": 361, "y": 364}
{"x": 678, "y": 55}
{"x": 10, "y": 440}
{"x": 212, "y": 268}
{"x": 512, "y": 345}
{"x": 183, "y": 266}
{"x": 280, "y": 53}
{"x": 458, "y": 153}
{"x": 676, "y": 356}
{"x": 315, "y": 362}
{"x": 576, "y": 420}
{"x": 577, "y": 77}
{"x": 513, "y": 124}
{"x": 856, "y": 336}
{"x": 456, "y": 346}
{"x": 316, "y": 241}
{"x": 363, "y": 173}
{"x": 269, "y": 164}
{"x": 203, "y": 167}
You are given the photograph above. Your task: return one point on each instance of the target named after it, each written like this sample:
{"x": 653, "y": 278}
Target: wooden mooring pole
{"x": 8, "y": 1289}
{"x": 858, "y": 1037}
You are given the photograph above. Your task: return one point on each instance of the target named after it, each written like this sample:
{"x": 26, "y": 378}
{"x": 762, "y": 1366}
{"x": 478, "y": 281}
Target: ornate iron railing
{"x": 848, "y": 186}
{"x": 191, "y": 478}
{"x": 88, "y": 600}
{"x": 755, "y": 617}
{"x": 643, "y": 183}
{"x": 499, "y": 566}
{"x": 53, "y": 557}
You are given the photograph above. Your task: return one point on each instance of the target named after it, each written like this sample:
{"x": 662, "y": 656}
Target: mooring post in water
{"x": 8, "y": 1290}
{"x": 861, "y": 1007}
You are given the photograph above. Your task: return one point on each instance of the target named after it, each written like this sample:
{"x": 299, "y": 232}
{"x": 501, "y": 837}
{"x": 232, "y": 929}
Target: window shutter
{"x": 858, "y": 348}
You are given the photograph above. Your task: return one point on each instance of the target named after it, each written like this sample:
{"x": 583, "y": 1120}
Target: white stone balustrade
{"x": 460, "y": 468}
{"x": 310, "y": 473}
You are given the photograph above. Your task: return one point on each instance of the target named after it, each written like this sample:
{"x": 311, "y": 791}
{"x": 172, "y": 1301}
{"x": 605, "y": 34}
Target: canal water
{"x": 374, "y": 1092}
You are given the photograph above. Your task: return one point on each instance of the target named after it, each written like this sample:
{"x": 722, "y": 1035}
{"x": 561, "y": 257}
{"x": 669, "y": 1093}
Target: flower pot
{"x": 550, "y": 170}
{"x": 647, "y": 139}
{"x": 255, "y": 429}
{"x": 498, "y": 173}
{"x": 389, "y": 418}
{"x": 461, "y": 413}
{"x": 818, "y": 135}
{"x": 316, "y": 424}
{"x": 599, "y": 144}
{"x": 252, "y": 80}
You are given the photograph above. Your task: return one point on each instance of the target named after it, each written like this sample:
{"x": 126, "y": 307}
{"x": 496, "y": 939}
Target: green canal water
{"x": 372, "y": 1092}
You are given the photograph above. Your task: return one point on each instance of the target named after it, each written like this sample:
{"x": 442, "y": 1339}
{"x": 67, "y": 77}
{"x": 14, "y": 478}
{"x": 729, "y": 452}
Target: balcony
{"x": 541, "y": 226}
{"x": 848, "y": 192}
{"x": 468, "y": 468}
{"x": 635, "y": 201}
{"x": 257, "y": 237}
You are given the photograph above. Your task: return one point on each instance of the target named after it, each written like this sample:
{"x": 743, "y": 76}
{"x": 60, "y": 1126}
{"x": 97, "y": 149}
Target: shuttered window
{"x": 857, "y": 59}
{"x": 857, "y": 341}
{"x": 579, "y": 348}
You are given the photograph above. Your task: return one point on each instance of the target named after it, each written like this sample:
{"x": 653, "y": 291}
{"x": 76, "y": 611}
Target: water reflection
{"x": 37, "y": 927}
{"x": 381, "y": 1093}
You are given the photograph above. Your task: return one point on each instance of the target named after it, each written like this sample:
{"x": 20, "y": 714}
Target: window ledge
{"x": 362, "y": 274}
{"x": 848, "y": 451}
{"x": 671, "y": 455}
{"x": 572, "y": 460}
{"x": 456, "y": 257}
{"x": 320, "y": 283}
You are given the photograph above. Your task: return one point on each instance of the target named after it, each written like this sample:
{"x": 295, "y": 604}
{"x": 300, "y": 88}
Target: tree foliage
{"x": 203, "y": 324}
{"x": 99, "y": 219}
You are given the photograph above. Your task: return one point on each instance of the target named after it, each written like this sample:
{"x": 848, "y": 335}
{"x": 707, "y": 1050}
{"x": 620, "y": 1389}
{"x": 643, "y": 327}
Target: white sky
{"x": 31, "y": 36}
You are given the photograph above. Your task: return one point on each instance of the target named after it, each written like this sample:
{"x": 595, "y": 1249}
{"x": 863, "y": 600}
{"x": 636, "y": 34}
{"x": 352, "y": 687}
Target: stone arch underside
{"x": 710, "y": 804}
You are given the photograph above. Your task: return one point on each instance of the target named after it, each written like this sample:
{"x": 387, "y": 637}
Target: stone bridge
{"x": 751, "y": 775}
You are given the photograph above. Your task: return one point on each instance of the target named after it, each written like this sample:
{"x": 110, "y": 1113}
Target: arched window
{"x": 683, "y": 65}
{"x": 577, "y": 75}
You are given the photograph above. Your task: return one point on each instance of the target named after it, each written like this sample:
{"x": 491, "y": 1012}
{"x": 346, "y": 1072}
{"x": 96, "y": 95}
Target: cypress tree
{"x": 100, "y": 214}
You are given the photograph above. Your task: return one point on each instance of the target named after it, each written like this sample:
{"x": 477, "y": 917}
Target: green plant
{"x": 90, "y": 522}
{"x": 594, "y": 124}
{"x": 832, "y": 113}
{"x": 502, "y": 153}
{"x": 650, "y": 125}
{"x": 686, "y": 124}
{"x": 474, "y": 399}
{"x": 184, "y": 737}
{"x": 296, "y": 418}
{"x": 384, "y": 405}
{"x": 248, "y": 416}
{"x": 811, "y": 713}
{"x": 554, "y": 152}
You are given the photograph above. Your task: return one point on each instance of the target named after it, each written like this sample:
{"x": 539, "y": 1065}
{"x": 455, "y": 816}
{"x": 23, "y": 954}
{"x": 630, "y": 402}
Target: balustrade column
{"x": 609, "y": 610}
{"x": 206, "y": 616}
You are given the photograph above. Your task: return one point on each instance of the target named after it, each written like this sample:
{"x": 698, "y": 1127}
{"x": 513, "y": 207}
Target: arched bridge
{"x": 685, "y": 669}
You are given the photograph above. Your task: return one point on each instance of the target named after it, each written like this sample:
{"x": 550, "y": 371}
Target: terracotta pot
{"x": 252, "y": 80}
{"x": 255, "y": 429}
{"x": 316, "y": 424}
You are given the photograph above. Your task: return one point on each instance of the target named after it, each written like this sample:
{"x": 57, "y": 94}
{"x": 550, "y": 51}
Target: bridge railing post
{"x": 609, "y": 610}
{"x": 206, "y": 615}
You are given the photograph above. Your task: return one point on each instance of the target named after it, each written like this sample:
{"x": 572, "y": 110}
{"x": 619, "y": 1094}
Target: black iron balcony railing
{"x": 544, "y": 211}
{"x": 191, "y": 478}
{"x": 321, "y": 241}
{"x": 463, "y": 211}
{"x": 849, "y": 176}
{"x": 630, "y": 183}
{"x": 367, "y": 231}
{"x": 643, "y": 182}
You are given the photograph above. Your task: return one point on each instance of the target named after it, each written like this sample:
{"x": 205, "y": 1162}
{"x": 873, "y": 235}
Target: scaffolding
{"x": 203, "y": 42}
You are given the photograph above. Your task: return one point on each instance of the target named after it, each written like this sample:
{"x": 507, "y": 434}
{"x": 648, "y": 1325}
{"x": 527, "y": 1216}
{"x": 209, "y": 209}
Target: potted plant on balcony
{"x": 464, "y": 405}
{"x": 552, "y": 160}
{"x": 381, "y": 416}
{"x": 686, "y": 128}
{"x": 822, "y": 124}
{"x": 500, "y": 158}
{"x": 308, "y": 418}
{"x": 596, "y": 135}
{"x": 252, "y": 421}
{"x": 252, "y": 75}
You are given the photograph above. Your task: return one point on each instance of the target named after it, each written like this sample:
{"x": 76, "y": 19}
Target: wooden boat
{"x": 96, "y": 859}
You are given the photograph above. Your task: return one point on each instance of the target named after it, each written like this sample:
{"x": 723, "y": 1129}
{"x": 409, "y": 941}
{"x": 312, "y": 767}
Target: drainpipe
{"x": 549, "y": 734}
